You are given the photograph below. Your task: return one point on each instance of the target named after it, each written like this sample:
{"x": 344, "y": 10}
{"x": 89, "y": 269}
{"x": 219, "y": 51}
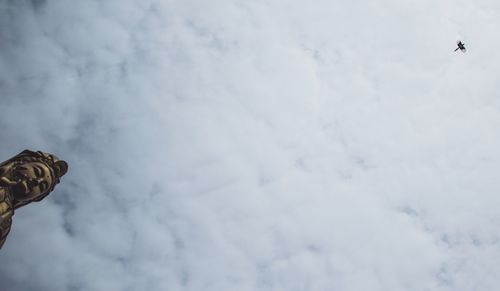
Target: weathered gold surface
{"x": 26, "y": 178}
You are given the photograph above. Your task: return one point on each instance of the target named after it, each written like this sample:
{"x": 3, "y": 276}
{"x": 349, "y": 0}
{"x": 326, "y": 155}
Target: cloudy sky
{"x": 274, "y": 145}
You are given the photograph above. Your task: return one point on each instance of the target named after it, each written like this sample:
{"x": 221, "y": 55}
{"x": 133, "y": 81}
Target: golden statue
{"x": 25, "y": 178}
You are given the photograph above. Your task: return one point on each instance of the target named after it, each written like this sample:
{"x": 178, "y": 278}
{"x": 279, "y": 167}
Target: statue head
{"x": 34, "y": 175}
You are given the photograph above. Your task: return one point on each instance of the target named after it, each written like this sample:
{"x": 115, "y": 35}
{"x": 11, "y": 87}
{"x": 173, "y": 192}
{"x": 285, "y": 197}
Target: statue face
{"x": 34, "y": 180}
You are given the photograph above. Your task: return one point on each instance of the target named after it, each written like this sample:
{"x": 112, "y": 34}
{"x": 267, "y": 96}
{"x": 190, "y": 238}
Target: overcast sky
{"x": 274, "y": 145}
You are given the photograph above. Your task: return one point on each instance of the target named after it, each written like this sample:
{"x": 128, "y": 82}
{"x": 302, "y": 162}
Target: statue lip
{"x": 21, "y": 182}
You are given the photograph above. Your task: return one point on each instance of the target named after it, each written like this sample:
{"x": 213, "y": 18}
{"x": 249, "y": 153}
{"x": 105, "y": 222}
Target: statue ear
{"x": 61, "y": 168}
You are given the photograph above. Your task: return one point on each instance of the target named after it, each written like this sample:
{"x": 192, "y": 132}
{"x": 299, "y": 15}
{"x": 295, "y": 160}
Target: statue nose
{"x": 33, "y": 182}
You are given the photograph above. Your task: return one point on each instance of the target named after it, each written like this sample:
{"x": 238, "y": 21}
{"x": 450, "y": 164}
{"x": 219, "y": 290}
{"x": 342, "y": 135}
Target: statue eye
{"x": 38, "y": 171}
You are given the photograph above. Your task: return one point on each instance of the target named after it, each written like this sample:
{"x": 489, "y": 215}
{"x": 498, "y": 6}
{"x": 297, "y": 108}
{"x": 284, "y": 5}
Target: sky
{"x": 255, "y": 145}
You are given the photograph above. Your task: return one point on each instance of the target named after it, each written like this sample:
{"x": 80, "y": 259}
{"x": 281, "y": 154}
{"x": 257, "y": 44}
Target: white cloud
{"x": 254, "y": 146}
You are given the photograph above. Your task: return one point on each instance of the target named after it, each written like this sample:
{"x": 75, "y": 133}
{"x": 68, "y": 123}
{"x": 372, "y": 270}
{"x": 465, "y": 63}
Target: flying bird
{"x": 460, "y": 46}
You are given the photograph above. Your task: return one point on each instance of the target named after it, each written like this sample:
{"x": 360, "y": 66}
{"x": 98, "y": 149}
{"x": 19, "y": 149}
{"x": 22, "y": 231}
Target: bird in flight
{"x": 460, "y": 46}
